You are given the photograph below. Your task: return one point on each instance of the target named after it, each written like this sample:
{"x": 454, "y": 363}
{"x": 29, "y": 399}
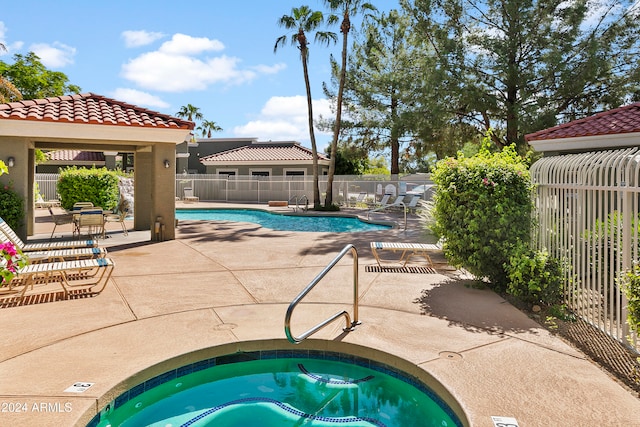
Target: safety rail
{"x": 298, "y": 199}
{"x": 349, "y": 324}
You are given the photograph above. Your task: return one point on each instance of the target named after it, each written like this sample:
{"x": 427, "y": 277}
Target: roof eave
{"x": 43, "y": 131}
{"x": 587, "y": 143}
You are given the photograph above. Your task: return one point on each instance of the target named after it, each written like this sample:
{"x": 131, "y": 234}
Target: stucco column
{"x": 20, "y": 177}
{"x": 163, "y": 208}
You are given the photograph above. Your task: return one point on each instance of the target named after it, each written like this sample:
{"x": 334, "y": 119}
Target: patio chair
{"x": 29, "y": 247}
{"x": 360, "y": 199}
{"x": 119, "y": 217}
{"x": 93, "y": 220}
{"x": 188, "y": 196}
{"x": 85, "y": 274}
{"x": 61, "y": 219}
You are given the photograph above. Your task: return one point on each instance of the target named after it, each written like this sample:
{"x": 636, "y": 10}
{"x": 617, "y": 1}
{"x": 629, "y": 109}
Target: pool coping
{"x": 376, "y": 360}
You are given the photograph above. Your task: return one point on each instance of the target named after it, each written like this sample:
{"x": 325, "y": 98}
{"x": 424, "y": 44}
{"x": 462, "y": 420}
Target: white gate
{"x": 587, "y": 217}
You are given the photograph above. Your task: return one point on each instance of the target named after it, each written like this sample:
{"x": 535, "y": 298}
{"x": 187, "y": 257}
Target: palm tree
{"x": 208, "y": 126}
{"x": 303, "y": 20}
{"x": 8, "y": 92}
{"x": 190, "y": 112}
{"x": 347, "y": 8}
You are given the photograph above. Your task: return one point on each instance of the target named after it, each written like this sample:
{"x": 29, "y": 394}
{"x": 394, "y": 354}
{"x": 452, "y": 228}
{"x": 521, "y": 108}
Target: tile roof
{"x": 89, "y": 108}
{"x": 75, "y": 156}
{"x": 263, "y": 152}
{"x": 620, "y": 120}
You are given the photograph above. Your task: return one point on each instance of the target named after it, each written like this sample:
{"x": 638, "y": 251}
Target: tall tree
{"x": 378, "y": 86}
{"x": 8, "y": 91}
{"x": 33, "y": 80}
{"x": 303, "y": 20}
{"x": 522, "y": 65}
{"x": 208, "y": 126}
{"x": 348, "y": 9}
{"x": 189, "y": 112}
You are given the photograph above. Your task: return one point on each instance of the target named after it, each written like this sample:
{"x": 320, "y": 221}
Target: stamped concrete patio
{"x": 224, "y": 287}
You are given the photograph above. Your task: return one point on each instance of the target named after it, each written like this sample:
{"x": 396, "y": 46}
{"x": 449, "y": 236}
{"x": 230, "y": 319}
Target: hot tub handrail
{"x": 349, "y": 324}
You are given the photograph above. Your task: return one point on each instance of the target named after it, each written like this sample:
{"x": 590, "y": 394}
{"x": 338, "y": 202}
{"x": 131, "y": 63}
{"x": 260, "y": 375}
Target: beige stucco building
{"x": 96, "y": 123}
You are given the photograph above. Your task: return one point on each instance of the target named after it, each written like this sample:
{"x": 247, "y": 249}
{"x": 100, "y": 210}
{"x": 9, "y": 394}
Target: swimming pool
{"x": 280, "y": 222}
{"x": 244, "y": 389}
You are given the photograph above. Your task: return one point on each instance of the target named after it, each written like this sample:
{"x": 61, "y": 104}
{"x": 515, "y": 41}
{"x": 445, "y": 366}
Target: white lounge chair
{"x": 59, "y": 254}
{"x": 29, "y": 247}
{"x": 408, "y": 250}
{"x": 86, "y": 274}
{"x": 189, "y": 197}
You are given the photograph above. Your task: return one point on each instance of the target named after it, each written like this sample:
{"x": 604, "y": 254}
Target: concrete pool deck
{"x": 229, "y": 284}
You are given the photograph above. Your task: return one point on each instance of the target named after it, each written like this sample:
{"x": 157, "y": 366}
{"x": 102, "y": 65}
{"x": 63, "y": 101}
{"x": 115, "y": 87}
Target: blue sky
{"x": 214, "y": 54}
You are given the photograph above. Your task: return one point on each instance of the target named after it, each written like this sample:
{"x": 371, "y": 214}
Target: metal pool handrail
{"x": 350, "y": 325}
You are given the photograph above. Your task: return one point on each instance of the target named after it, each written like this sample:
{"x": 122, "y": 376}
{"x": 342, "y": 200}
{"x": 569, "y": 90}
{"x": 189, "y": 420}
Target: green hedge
{"x": 11, "y": 207}
{"x": 99, "y": 186}
{"x": 483, "y": 210}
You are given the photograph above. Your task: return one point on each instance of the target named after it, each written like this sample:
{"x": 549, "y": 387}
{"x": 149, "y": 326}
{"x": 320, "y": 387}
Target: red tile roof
{"x": 620, "y": 120}
{"x": 263, "y": 152}
{"x": 89, "y": 108}
{"x": 75, "y": 156}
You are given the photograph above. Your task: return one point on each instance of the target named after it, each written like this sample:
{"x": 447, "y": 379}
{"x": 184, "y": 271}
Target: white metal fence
{"x": 588, "y": 217}
{"x": 256, "y": 189}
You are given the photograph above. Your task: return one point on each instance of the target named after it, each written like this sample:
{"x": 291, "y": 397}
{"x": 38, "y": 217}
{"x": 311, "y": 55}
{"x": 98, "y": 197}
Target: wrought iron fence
{"x": 587, "y": 215}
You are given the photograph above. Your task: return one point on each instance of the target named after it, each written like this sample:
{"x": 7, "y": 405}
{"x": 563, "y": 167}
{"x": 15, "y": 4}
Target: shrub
{"x": 631, "y": 287}
{"x": 534, "y": 276}
{"x": 11, "y": 207}
{"x": 99, "y": 186}
{"x": 482, "y": 209}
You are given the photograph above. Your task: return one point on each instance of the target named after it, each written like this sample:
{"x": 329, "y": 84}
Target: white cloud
{"x": 270, "y": 69}
{"x": 55, "y": 55}
{"x": 138, "y": 97}
{"x": 181, "y": 64}
{"x": 284, "y": 118}
{"x": 177, "y": 73}
{"x": 181, "y": 44}
{"x": 11, "y": 47}
{"x": 140, "y": 38}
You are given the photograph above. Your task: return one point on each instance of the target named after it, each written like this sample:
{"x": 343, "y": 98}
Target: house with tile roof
{"x": 613, "y": 129}
{"x": 261, "y": 158}
{"x": 91, "y": 122}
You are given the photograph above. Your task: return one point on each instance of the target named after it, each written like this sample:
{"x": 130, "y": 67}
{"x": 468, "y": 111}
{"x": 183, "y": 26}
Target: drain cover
{"x": 225, "y": 326}
{"x": 450, "y": 355}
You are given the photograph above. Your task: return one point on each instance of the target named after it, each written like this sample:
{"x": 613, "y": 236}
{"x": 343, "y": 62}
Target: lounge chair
{"x": 29, "y": 247}
{"x": 189, "y": 197}
{"x": 86, "y": 274}
{"x": 41, "y": 203}
{"x": 360, "y": 199}
{"x": 413, "y": 203}
{"x": 60, "y": 254}
{"x": 408, "y": 250}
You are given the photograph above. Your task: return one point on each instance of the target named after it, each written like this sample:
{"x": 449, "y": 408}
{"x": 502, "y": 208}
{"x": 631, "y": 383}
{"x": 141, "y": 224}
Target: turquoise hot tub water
{"x": 279, "y": 391}
{"x": 280, "y": 222}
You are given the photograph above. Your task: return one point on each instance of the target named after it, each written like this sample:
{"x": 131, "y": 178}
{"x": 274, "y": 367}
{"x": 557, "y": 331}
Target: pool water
{"x": 275, "y": 221}
{"x": 282, "y": 392}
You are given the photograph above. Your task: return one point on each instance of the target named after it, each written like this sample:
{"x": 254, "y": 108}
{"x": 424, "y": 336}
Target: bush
{"x": 98, "y": 186}
{"x": 11, "y": 207}
{"x": 631, "y": 288}
{"x": 534, "y": 276}
{"x": 482, "y": 210}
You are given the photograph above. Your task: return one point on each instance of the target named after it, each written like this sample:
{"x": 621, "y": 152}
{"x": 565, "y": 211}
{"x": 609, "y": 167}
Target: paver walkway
{"x": 219, "y": 288}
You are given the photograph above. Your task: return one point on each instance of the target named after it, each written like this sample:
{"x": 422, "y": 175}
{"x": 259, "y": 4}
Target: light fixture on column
{"x": 167, "y": 164}
{"x": 11, "y": 161}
